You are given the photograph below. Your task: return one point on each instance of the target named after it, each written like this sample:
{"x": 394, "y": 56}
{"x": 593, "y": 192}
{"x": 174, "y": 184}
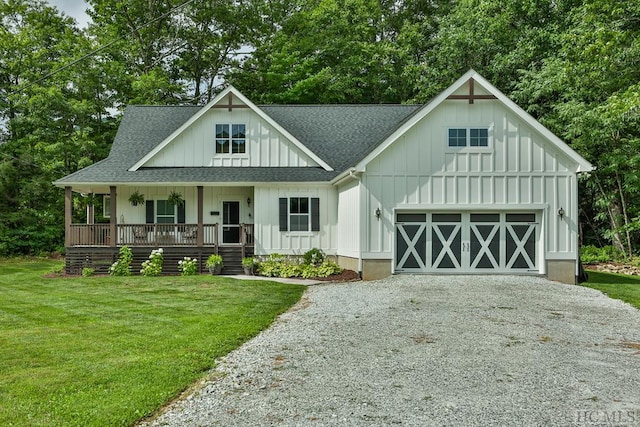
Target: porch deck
{"x": 90, "y": 245}
{"x": 159, "y": 235}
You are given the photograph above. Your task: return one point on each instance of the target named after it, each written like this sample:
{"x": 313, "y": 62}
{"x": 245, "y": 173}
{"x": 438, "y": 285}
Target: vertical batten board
{"x": 518, "y": 169}
{"x": 486, "y": 190}
{"x": 270, "y": 239}
{"x": 475, "y": 190}
{"x": 348, "y": 228}
{"x": 513, "y": 190}
{"x": 195, "y": 147}
{"x": 425, "y": 189}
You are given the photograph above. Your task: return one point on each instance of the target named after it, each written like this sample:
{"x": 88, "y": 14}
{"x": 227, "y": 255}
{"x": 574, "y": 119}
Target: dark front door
{"x": 230, "y": 222}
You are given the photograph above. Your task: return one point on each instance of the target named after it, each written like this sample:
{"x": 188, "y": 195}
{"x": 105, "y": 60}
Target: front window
{"x": 299, "y": 214}
{"x": 468, "y": 137}
{"x": 165, "y": 212}
{"x": 231, "y": 138}
{"x": 106, "y": 206}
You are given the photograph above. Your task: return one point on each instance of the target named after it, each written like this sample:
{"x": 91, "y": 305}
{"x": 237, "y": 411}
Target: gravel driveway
{"x": 432, "y": 350}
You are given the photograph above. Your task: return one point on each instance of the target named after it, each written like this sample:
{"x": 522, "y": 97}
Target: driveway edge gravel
{"x": 431, "y": 350}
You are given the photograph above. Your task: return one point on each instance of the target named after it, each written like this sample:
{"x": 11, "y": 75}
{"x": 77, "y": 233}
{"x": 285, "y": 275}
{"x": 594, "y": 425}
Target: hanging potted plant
{"x": 136, "y": 198}
{"x": 175, "y": 199}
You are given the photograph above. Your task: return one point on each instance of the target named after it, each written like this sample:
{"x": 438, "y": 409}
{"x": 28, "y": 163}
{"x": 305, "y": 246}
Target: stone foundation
{"x": 562, "y": 270}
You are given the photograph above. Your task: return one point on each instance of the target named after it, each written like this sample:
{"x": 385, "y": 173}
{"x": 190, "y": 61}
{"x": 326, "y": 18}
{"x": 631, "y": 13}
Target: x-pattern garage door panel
{"x": 466, "y": 242}
{"x": 446, "y": 241}
{"x": 411, "y": 242}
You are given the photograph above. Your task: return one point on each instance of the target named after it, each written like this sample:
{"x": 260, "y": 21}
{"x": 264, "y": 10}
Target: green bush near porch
{"x": 101, "y": 350}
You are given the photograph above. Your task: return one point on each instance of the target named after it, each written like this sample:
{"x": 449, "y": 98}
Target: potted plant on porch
{"x": 248, "y": 264}
{"x": 136, "y": 198}
{"x": 175, "y": 198}
{"x": 214, "y": 263}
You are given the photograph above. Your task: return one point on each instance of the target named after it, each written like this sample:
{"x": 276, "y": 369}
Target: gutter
{"x": 350, "y": 173}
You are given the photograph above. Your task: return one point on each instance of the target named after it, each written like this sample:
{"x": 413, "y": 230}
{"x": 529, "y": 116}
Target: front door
{"x": 231, "y": 222}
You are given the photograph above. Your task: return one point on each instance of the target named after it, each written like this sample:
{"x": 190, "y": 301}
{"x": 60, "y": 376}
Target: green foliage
{"x": 314, "y": 256}
{"x": 188, "y": 266}
{"x": 87, "y": 272}
{"x": 122, "y": 267}
{"x": 590, "y": 254}
{"x": 108, "y": 362}
{"x": 153, "y": 266}
{"x": 214, "y": 260}
{"x": 277, "y": 265}
{"x": 248, "y": 262}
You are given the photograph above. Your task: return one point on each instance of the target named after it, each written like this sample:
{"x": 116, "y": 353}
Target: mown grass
{"x": 102, "y": 351}
{"x": 618, "y": 286}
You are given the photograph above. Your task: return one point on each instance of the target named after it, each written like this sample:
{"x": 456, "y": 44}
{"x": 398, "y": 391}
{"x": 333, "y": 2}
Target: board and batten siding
{"x": 195, "y": 146}
{"x": 270, "y": 239}
{"x": 520, "y": 168}
{"x": 349, "y": 202}
{"x": 213, "y": 198}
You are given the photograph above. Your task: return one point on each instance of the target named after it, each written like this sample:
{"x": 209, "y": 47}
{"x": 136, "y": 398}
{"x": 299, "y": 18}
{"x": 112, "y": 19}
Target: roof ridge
{"x": 338, "y": 105}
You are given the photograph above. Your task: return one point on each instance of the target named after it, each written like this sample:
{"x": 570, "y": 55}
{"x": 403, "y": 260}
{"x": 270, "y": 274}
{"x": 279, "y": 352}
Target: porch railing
{"x": 152, "y": 235}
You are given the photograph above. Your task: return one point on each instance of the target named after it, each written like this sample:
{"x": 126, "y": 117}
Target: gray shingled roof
{"x": 341, "y": 135}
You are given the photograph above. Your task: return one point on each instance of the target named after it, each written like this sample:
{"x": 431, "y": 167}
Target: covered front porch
{"x": 185, "y": 229}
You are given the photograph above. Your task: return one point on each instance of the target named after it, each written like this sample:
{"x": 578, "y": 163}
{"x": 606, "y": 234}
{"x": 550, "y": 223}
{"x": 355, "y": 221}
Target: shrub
{"x": 214, "y": 260}
{"x": 188, "y": 266}
{"x": 328, "y": 268}
{"x": 314, "y": 257}
{"x": 591, "y": 254}
{"x": 153, "y": 266}
{"x": 248, "y": 262}
{"x": 288, "y": 269}
{"x": 87, "y": 271}
{"x": 122, "y": 267}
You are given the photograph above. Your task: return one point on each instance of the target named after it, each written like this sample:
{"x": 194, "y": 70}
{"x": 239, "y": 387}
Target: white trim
{"x": 252, "y": 106}
{"x": 497, "y": 207}
{"x": 560, "y": 256}
{"x": 582, "y": 164}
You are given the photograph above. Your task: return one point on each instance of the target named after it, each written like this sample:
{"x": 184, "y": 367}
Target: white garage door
{"x": 467, "y": 242}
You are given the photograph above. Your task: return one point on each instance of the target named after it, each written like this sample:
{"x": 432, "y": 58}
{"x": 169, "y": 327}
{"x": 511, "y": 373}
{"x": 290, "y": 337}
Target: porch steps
{"x": 232, "y": 258}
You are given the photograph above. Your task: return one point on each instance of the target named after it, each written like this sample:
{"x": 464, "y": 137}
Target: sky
{"x": 73, "y": 8}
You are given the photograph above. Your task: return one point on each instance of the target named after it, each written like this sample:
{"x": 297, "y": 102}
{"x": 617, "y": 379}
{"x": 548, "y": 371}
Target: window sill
{"x": 230, "y": 156}
{"x": 468, "y": 150}
{"x": 300, "y": 233}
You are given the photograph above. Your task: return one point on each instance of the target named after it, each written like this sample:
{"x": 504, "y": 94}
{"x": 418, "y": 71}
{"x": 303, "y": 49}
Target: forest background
{"x": 574, "y": 65}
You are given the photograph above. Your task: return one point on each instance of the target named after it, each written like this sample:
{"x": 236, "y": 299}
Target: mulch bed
{"x": 345, "y": 276}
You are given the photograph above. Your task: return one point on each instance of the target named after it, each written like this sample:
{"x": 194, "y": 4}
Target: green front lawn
{"x": 109, "y": 351}
{"x": 618, "y": 286}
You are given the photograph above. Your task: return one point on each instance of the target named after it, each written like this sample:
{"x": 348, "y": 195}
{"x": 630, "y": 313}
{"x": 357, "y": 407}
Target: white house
{"x": 468, "y": 183}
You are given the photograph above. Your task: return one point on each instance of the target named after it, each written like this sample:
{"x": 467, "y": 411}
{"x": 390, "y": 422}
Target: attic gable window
{"x": 468, "y": 137}
{"x": 231, "y": 138}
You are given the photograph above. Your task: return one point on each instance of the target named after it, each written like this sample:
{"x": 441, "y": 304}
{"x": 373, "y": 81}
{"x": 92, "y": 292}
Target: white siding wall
{"x": 196, "y": 145}
{"x": 519, "y": 168}
{"x": 270, "y": 239}
{"x": 349, "y": 226}
{"x": 213, "y": 198}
